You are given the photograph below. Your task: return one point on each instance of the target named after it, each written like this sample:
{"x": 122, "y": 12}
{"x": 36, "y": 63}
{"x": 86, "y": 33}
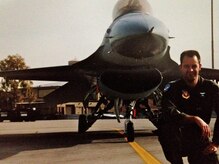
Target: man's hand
{"x": 206, "y": 131}
{"x": 211, "y": 148}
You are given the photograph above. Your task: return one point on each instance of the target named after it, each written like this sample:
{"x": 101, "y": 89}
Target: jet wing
{"x": 89, "y": 66}
{"x": 209, "y": 73}
{"x": 59, "y": 73}
{"x": 80, "y": 77}
{"x": 75, "y": 90}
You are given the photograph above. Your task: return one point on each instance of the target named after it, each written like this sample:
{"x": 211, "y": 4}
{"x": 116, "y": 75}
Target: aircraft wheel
{"x": 82, "y": 124}
{"x": 130, "y": 134}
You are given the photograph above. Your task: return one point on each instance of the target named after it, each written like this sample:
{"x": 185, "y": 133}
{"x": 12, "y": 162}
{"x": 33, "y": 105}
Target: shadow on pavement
{"x": 13, "y": 144}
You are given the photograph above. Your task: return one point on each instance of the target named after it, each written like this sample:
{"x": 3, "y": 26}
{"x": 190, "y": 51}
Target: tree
{"x": 16, "y": 90}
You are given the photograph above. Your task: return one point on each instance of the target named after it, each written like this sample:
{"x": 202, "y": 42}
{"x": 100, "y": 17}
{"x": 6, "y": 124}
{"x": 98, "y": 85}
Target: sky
{"x": 53, "y": 32}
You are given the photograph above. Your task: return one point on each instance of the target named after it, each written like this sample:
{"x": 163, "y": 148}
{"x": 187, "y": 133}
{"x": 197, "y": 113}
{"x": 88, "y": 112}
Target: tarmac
{"x": 57, "y": 141}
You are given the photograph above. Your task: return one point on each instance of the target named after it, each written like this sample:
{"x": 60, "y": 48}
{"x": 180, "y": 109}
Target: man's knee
{"x": 170, "y": 139}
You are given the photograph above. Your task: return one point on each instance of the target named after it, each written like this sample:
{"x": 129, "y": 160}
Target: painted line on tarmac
{"x": 144, "y": 154}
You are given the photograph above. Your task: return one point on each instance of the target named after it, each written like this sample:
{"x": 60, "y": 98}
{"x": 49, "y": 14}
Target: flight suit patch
{"x": 185, "y": 94}
{"x": 202, "y": 94}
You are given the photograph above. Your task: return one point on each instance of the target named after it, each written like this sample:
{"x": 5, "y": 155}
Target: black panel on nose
{"x": 140, "y": 46}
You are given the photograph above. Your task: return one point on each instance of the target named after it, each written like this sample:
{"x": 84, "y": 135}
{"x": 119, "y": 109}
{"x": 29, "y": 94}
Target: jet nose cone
{"x": 137, "y": 36}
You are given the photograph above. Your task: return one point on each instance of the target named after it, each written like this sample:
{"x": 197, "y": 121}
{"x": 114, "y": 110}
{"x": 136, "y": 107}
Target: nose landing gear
{"x": 129, "y": 126}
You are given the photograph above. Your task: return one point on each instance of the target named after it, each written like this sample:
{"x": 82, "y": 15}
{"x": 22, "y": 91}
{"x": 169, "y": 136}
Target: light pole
{"x": 212, "y": 32}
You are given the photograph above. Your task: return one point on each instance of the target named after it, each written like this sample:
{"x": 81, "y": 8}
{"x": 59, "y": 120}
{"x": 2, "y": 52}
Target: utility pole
{"x": 212, "y": 32}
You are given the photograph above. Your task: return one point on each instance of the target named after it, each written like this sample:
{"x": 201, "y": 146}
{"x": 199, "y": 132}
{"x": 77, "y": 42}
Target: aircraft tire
{"x": 82, "y": 123}
{"x": 130, "y": 134}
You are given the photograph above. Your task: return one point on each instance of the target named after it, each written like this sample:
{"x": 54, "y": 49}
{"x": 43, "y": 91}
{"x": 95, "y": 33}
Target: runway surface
{"x": 58, "y": 142}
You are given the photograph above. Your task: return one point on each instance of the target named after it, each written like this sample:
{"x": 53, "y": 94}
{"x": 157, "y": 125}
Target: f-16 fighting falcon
{"x": 132, "y": 62}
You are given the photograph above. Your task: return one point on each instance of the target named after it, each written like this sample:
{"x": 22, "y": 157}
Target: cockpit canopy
{"x": 125, "y": 6}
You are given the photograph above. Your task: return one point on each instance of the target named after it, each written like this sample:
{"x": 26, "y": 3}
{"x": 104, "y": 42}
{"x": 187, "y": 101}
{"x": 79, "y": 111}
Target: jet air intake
{"x": 129, "y": 84}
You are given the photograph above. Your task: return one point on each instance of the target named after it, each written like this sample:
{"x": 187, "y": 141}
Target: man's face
{"x": 190, "y": 68}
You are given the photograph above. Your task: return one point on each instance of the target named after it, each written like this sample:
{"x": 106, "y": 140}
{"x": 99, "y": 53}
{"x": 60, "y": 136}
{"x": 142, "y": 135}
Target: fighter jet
{"x": 132, "y": 62}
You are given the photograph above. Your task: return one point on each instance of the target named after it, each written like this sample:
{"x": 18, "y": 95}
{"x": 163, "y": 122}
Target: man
{"x": 187, "y": 105}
